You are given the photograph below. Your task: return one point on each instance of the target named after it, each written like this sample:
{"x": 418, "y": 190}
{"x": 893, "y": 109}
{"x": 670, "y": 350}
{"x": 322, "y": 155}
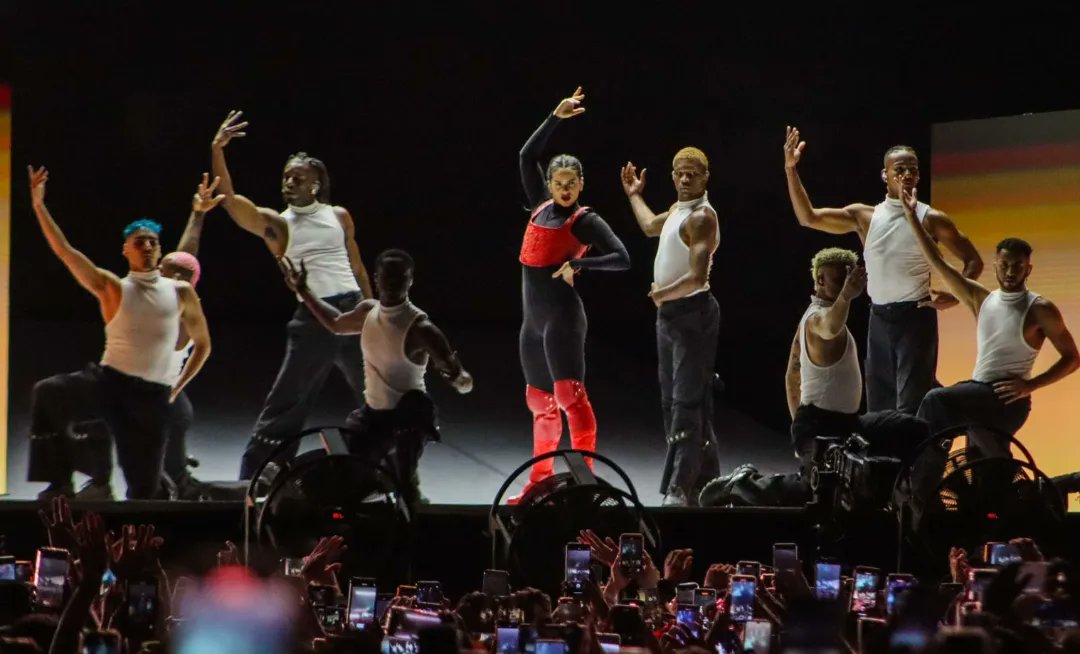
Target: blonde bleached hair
{"x": 691, "y": 153}
{"x": 832, "y": 257}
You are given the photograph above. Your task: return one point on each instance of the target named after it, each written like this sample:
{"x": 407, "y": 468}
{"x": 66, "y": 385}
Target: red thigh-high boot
{"x": 547, "y": 432}
{"x": 572, "y": 398}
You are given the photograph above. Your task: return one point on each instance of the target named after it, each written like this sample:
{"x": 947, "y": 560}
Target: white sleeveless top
{"x": 896, "y": 270}
{"x": 672, "y": 255}
{"x": 317, "y": 238}
{"x": 388, "y": 371}
{"x": 1003, "y": 351}
{"x": 179, "y": 357}
{"x": 834, "y": 388}
{"x": 140, "y": 338}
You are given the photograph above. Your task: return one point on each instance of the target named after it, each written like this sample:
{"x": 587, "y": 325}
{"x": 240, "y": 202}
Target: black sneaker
{"x": 57, "y": 490}
{"x": 95, "y": 491}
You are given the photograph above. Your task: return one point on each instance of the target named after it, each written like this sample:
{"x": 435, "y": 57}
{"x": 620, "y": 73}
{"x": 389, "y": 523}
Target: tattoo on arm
{"x": 269, "y": 233}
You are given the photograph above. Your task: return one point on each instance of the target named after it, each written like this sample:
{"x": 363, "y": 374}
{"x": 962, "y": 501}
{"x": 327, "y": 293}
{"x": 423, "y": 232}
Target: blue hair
{"x": 142, "y": 223}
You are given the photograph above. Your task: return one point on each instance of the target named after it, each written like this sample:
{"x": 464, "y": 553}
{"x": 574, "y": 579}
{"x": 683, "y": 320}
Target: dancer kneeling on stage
{"x": 130, "y": 392}
{"x": 824, "y": 391}
{"x": 1012, "y": 325}
{"x": 397, "y": 340}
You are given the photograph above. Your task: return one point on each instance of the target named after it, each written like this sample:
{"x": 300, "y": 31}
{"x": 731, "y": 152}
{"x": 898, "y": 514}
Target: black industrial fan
{"x": 528, "y": 539}
{"x": 328, "y": 491}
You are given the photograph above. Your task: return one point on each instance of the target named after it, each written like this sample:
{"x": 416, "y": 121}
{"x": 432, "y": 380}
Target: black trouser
{"x": 971, "y": 408}
{"x": 901, "y": 356}
{"x": 74, "y": 414}
{"x": 397, "y": 434}
{"x": 552, "y": 338}
{"x": 311, "y": 351}
{"x": 686, "y": 334}
{"x": 181, "y": 415}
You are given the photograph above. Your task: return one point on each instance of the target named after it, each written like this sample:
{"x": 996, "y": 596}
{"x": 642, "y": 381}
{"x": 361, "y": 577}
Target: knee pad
{"x": 540, "y": 402}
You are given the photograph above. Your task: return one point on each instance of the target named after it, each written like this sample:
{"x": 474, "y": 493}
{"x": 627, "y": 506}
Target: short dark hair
{"x": 1015, "y": 245}
{"x": 395, "y": 257}
{"x": 899, "y": 148}
{"x": 323, "y": 194}
{"x": 565, "y": 161}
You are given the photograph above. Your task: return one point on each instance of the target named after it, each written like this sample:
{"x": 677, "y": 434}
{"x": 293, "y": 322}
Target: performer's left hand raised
{"x": 204, "y": 199}
{"x": 295, "y": 279}
{"x": 1011, "y": 390}
{"x": 566, "y": 271}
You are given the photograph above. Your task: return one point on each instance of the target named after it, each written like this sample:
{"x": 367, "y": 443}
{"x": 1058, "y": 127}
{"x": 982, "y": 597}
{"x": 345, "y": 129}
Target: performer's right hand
{"x": 463, "y": 384}
{"x": 229, "y": 129}
{"x": 570, "y": 107}
{"x": 204, "y": 199}
{"x": 37, "y": 183}
{"x": 793, "y": 148}
{"x": 632, "y": 183}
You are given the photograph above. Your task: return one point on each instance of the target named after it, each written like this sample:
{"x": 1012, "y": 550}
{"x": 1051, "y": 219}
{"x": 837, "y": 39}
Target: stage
{"x": 485, "y": 435}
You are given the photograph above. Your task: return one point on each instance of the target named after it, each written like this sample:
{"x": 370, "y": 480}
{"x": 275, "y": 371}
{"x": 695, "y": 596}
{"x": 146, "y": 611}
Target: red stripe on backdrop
{"x": 1050, "y": 155}
{"x": 5, "y": 96}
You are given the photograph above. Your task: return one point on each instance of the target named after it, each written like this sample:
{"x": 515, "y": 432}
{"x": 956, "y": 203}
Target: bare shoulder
{"x": 1043, "y": 308}
{"x": 702, "y": 222}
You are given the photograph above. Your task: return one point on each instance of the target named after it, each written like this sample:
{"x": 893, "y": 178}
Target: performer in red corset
{"x": 552, "y": 341}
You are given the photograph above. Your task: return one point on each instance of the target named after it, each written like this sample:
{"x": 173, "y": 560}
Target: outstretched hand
{"x": 92, "y": 548}
{"x": 570, "y": 107}
{"x": 295, "y": 279}
{"x": 230, "y": 128}
{"x": 603, "y": 551}
{"x": 854, "y": 283}
{"x": 321, "y": 565}
{"x": 632, "y": 183}
{"x": 204, "y": 199}
{"x": 59, "y": 525}
{"x": 135, "y": 552}
{"x": 793, "y": 147}
{"x": 37, "y": 183}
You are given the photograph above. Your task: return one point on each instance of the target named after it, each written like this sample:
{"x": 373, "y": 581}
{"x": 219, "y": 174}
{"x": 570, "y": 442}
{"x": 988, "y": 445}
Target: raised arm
{"x": 832, "y": 322}
{"x": 203, "y": 202}
{"x": 633, "y": 185}
{"x": 832, "y": 221}
{"x": 349, "y": 322}
{"x": 793, "y": 376}
{"x": 263, "y": 222}
{"x": 701, "y": 232}
{"x": 968, "y": 291}
{"x": 103, "y": 284}
{"x": 533, "y": 178}
{"x": 1052, "y": 325}
{"x": 194, "y": 321}
{"x": 359, "y": 271}
{"x": 944, "y": 231}
{"x": 432, "y": 341}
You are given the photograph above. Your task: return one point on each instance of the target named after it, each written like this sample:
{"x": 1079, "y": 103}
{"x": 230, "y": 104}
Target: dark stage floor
{"x": 485, "y": 434}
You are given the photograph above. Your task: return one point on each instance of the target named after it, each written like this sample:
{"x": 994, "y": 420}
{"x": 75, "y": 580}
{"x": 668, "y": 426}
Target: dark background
{"x": 419, "y": 111}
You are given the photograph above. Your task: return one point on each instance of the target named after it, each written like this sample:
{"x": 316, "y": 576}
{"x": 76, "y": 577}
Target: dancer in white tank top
{"x": 398, "y": 342}
{"x": 1012, "y": 325}
{"x": 324, "y": 237}
{"x": 901, "y": 357}
{"x": 687, "y": 321}
{"x": 132, "y": 388}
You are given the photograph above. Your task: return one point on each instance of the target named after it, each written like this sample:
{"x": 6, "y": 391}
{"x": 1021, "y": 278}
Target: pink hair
{"x": 188, "y": 261}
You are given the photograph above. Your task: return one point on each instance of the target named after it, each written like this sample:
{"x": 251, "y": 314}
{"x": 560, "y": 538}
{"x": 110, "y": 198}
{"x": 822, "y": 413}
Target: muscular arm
{"x": 944, "y": 231}
{"x": 349, "y": 322}
{"x": 533, "y": 179}
{"x": 194, "y": 322}
{"x": 101, "y": 283}
{"x": 263, "y": 222}
{"x": 189, "y": 240}
{"x": 702, "y": 234}
{"x": 793, "y": 376}
{"x": 832, "y": 321}
{"x": 651, "y": 224}
{"x": 357, "y": 264}
{"x": 592, "y": 230}
{"x": 832, "y": 221}
{"x": 1053, "y": 327}
{"x": 433, "y": 341}
{"x": 968, "y": 291}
